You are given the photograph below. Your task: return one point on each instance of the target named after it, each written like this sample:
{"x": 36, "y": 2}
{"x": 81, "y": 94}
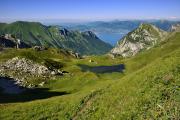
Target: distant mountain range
{"x": 117, "y": 28}
{"x": 37, "y": 34}
{"x": 79, "y": 38}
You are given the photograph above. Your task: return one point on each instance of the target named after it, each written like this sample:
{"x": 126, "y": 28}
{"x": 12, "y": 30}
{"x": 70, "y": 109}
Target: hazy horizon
{"x": 87, "y": 11}
{"x": 78, "y": 21}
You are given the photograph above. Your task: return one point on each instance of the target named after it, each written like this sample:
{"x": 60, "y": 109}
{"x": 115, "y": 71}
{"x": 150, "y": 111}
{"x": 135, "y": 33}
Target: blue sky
{"x": 89, "y": 9}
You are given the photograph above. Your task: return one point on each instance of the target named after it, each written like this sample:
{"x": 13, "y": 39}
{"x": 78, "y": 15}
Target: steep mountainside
{"x": 33, "y": 33}
{"x": 143, "y": 37}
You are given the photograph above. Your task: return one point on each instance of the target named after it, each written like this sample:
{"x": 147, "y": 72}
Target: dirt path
{"x": 84, "y": 107}
{"x": 87, "y": 103}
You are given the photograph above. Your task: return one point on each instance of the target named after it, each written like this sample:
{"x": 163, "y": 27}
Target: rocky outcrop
{"x": 8, "y": 41}
{"x": 90, "y": 34}
{"x": 25, "y": 65}
{"x": 64, "y": 32}
{"x": 74, "y": 54}
{"x": 144, "y": 37}
{"x": 40, "y": 48}
{"x": 23, "y": 70}
{"x": 175, "y": 27}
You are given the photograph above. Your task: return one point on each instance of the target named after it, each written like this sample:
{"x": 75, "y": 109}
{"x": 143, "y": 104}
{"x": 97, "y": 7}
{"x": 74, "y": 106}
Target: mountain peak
{"x": 90, "y": 34}
{"x": 143, "y": 37}
{"x": 150, "y": 27}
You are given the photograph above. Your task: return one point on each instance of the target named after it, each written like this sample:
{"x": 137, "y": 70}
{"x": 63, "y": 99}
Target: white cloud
{"x": 173, "y": 17}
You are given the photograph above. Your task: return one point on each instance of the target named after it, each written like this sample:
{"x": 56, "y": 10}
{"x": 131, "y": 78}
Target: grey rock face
{"x": 74, "y": 54}
{"x": 25, "y": 65}
{"x": 8, "y": 41}
{"x": 64, "y": 32}
{"x": 22, "y": 71}
{"x": 144, "y": 37}
{"x": 175, "y": 27}
{"x": 90, "y": 34}
{"x": 40, "y": 48}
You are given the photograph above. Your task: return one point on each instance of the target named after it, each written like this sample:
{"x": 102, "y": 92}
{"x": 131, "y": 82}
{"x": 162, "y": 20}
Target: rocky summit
{"x": 143, "y": 37}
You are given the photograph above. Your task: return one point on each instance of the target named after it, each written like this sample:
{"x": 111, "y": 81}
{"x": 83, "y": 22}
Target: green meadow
{"x": 148, "y": 87}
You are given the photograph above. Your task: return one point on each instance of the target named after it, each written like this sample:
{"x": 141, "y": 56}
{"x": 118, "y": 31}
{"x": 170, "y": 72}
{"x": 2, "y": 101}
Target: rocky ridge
{"x": 144, "y": 37}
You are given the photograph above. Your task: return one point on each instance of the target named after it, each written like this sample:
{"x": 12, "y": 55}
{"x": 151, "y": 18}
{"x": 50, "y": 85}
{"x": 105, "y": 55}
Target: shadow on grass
{"x": 30, "y": 95}
{"x": 102, "y": 69}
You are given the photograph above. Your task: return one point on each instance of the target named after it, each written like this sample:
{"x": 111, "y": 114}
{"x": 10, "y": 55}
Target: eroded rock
{"x": 144, "y": 37}
{"x": 24, "y": 65}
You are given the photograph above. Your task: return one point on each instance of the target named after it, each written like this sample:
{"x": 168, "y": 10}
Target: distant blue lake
{"x": 111, "y": 38}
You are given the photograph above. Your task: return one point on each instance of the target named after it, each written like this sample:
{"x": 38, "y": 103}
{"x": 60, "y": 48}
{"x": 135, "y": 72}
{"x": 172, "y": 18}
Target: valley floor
{"x": 147, "y": 87}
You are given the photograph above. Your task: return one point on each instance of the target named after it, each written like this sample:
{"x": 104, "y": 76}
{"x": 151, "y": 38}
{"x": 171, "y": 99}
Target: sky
{"x": 79, "y": 10}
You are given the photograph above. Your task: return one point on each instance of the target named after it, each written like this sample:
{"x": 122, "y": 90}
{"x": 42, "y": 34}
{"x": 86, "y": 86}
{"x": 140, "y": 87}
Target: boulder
{"x": 40, "y": 48}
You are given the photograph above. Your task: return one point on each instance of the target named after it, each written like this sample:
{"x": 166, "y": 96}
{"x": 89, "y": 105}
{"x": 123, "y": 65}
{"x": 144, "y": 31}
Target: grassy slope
{"x": 148, "y": 88}
{"x": 30, "y": 32}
